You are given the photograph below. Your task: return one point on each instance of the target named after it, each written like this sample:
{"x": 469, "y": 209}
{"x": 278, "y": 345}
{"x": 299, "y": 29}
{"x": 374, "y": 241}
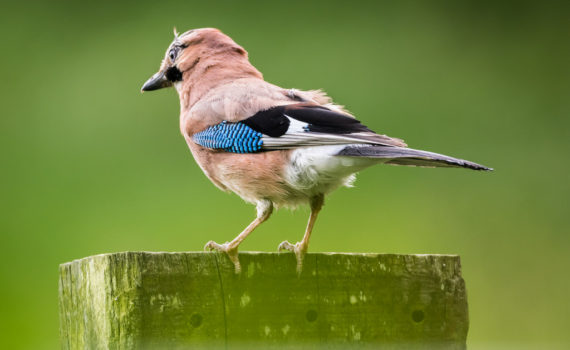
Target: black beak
{"x": 157, "y": 81}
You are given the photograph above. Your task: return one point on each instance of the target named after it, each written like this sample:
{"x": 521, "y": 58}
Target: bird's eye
{"x": 173, "y": 53}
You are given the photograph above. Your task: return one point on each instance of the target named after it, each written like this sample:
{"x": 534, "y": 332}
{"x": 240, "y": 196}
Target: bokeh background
{"x": 89, "y": 165}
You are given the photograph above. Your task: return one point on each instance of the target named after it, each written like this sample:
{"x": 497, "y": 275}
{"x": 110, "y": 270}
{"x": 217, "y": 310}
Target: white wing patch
{"x": 296, "y": 126}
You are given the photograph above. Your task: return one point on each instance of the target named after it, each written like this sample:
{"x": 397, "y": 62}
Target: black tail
{"x": 409, "y": 156}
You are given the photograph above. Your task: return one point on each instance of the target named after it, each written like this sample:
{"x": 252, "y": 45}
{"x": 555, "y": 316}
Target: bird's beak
{"x": 157, "y": 81}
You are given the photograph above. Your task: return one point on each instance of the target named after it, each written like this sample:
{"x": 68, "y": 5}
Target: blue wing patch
{"x": 231, "y": 137}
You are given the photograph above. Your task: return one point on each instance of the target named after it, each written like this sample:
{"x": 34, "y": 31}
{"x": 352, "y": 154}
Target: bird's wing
{"x": 291, "y": 126}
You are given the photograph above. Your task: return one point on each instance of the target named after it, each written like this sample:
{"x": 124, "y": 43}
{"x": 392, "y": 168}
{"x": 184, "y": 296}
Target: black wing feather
{"x": 323, "y": 126}
{"x": 324, "y": 120}
{"x": 271, "y": 122}
{"x": 274, "y": 122}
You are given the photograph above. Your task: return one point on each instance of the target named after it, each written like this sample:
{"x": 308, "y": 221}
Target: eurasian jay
{"x": 273, "y": 147}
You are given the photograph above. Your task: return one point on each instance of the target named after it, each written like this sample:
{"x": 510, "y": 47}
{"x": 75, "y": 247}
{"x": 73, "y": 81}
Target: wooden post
{"x": 140, "y": 300}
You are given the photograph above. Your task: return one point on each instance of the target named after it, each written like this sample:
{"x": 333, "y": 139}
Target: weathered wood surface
{"x": 141, "y": 300}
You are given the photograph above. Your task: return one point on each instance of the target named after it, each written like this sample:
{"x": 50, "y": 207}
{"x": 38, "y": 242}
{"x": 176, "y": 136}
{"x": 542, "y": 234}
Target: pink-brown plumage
{"x": 310, "y": 146}
{"x": 223, "y": 85}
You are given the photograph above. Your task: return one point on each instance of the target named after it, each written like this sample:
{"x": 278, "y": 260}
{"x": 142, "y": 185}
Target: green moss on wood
{"x": 146, "y": 300}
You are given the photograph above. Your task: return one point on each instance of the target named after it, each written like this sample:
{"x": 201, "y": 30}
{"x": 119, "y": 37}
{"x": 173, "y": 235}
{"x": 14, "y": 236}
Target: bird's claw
{"x": 231, "y": 252}
{"x": 285, "y": 245}
{"x": 211, "y": 245}
{"x": 298, "y": 248}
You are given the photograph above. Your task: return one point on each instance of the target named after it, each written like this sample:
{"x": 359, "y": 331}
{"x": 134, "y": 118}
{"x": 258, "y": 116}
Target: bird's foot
{"x": 227, "y": 248}
{"x": 298, "y": 248}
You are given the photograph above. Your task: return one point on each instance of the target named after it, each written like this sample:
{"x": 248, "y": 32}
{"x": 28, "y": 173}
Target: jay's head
{"x": 193, "y": 53}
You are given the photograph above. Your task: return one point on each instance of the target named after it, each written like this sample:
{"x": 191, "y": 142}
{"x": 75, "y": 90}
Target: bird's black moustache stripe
{"x": 173, "y": 74}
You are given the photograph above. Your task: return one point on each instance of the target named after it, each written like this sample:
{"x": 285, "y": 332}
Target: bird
{"x": 274, "y": 147}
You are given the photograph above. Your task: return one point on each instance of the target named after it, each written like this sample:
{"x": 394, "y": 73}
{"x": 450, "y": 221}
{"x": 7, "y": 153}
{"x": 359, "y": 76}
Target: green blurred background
{"x": 89, "y": 165}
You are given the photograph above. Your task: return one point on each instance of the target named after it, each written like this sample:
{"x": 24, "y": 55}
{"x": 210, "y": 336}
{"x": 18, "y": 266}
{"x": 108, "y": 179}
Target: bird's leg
{"x": 300, "y": 248}
{"x": 264, "y": 210}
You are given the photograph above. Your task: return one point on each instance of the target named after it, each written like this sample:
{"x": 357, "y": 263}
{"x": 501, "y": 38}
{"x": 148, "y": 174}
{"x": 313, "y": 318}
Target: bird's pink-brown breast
{"x": 252, "y": 176}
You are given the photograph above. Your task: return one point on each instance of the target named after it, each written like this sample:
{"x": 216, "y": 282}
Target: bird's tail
{"x": 409, "y": 157}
